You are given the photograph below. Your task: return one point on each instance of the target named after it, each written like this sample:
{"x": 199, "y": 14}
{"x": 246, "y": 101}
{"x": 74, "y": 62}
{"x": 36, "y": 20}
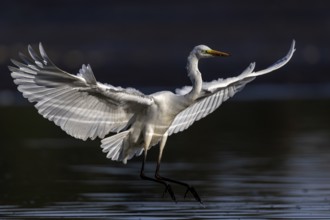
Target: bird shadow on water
{"x": 255, "y": 166}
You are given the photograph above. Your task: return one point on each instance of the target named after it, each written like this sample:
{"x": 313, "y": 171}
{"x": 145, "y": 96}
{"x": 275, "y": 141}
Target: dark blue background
{"x": 145, "y": 43}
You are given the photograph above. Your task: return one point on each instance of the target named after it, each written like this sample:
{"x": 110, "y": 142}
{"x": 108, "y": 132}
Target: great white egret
{"x": 85, "y": 108}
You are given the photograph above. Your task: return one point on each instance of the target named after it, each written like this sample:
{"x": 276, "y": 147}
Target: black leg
{"x": 168, "y": 187}
{"x": 190, "y": 189}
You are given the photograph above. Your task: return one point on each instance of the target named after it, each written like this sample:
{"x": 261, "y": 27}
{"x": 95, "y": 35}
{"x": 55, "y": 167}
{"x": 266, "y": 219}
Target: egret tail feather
{"x": 113, "y": 145}
{"x": 115, "y": 148}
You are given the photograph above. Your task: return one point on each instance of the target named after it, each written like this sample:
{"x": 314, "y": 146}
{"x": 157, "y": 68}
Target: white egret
{"x": 85, "y": 108}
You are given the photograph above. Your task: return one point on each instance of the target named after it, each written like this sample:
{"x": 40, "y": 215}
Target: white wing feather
{"x": 216, "y": 92}
{"x": 80, "y": 105}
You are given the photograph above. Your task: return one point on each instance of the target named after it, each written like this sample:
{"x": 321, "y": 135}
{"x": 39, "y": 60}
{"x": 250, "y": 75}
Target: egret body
{"x": 85, "y": 108}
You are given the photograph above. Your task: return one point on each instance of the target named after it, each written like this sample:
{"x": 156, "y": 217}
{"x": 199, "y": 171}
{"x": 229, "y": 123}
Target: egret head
{"x": 202, "y": 51}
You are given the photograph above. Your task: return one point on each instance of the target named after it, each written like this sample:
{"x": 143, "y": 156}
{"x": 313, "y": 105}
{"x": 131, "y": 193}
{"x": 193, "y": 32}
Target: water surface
{"x": 247, "y": 160}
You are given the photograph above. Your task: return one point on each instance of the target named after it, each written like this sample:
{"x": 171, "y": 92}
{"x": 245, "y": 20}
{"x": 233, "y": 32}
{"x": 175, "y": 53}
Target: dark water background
{"x": 261, "y": 159}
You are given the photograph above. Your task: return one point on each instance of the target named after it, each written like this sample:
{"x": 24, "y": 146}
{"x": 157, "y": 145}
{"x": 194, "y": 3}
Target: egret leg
{"x": 168, "y": 187}
{"x": 190, "y": 188}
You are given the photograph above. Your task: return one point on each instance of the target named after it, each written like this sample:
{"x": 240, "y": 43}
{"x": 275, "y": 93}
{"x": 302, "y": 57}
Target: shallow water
{"x": 247, "y": 160}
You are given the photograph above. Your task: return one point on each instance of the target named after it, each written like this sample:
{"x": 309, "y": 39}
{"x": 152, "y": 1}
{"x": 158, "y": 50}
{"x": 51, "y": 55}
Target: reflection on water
{"x": 248, "y": 160}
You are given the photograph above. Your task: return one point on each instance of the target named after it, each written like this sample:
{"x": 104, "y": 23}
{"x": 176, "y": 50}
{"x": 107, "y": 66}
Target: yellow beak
{"x": 217, "y": 53}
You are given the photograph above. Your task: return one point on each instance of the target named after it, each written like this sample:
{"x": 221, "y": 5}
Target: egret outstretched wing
{"x": 216, "y": 92}
{"x": 80, "y": 105}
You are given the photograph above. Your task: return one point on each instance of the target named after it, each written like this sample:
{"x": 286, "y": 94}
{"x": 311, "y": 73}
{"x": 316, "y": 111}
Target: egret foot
{"x": 170, "y": 191}
{"x": 168, "y": 187}
{"x": 189, "y": 188}
{"x": 194, "y": 193}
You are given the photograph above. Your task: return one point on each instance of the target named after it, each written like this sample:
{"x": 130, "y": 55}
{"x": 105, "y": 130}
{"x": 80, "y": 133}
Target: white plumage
{"x": 85, "y": 108}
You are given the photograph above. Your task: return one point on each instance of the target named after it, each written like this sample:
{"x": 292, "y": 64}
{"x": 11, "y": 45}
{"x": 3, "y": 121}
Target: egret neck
{"x": 195, "y": 77}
